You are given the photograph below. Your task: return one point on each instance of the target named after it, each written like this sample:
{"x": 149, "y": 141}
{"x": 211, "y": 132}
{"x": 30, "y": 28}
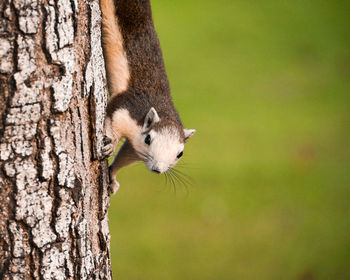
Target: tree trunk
{"x": 53, "y": 189}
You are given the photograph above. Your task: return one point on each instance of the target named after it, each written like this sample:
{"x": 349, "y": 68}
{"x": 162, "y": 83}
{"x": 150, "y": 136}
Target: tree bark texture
{"x": 53, "y": 189}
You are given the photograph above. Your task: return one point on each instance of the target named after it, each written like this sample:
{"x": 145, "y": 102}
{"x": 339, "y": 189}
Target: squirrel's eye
{"x": 180, "y": 155}
{"x": 148, "y": 139}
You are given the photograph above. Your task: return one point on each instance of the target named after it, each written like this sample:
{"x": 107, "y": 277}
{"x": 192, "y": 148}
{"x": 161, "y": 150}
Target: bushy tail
{"x": 116, "y": 62}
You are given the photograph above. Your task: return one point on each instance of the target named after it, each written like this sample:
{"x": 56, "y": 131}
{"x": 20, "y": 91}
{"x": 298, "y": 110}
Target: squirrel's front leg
{"x": 111, "y": 139}
{"x": 126, "y": 155}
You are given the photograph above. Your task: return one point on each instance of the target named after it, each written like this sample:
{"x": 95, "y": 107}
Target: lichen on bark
{"x": 54, "y": 192}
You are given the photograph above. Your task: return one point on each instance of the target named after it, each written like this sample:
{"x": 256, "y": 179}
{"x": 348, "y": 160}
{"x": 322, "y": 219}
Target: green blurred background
{"x": 267, "y": 86}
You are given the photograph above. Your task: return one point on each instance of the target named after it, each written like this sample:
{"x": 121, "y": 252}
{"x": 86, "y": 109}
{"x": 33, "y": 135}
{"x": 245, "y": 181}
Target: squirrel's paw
{"x": 107, "y": 149}
{"x": 114, "y": 185}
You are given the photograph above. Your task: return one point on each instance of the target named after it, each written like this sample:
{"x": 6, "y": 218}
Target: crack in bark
{"x": 43, "y": 34}
{"x": 92, "y": 131}
{"x": 74, "y": 18}
{"x": 54, "y": 3}
{"x": 55, "y": 206}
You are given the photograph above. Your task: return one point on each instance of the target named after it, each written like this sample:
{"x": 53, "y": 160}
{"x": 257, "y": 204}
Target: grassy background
{"x": 267, "y": 86}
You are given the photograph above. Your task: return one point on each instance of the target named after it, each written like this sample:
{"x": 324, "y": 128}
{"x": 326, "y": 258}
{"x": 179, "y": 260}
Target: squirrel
{"x": 140, "y": 108}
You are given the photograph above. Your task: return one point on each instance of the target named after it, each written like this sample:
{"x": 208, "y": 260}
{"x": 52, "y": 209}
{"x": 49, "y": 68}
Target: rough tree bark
{"x": 53, "y": 190}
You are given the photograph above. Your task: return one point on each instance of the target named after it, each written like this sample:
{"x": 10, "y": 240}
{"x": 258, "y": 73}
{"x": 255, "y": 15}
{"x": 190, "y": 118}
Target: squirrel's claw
{"x": 106, "y": 140}
{"x": 107, "y": 149}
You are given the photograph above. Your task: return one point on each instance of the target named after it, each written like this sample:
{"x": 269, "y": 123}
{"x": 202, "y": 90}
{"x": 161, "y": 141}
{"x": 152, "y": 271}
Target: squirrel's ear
{"x": 150, "y": 119}
{"x": 189, "y": 133}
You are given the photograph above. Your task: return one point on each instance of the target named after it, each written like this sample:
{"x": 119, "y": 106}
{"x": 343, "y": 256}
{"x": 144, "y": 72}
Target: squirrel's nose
{"x": 155, "y": 170}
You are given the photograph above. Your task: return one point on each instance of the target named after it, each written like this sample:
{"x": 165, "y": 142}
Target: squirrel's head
{"x": 160, "y": 146}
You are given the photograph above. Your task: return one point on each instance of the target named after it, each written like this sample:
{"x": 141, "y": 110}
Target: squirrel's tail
{"x": 116, "y": 62}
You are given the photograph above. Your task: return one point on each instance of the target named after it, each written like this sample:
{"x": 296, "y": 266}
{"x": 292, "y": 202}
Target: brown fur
{"x": 148, "y": 84}
{"x": 116, "y": 63}
{"x": 140, "y": 102}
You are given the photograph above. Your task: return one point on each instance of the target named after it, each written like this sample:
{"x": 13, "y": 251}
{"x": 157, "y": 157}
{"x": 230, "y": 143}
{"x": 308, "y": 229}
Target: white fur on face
{"x": 163, "y": 150}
